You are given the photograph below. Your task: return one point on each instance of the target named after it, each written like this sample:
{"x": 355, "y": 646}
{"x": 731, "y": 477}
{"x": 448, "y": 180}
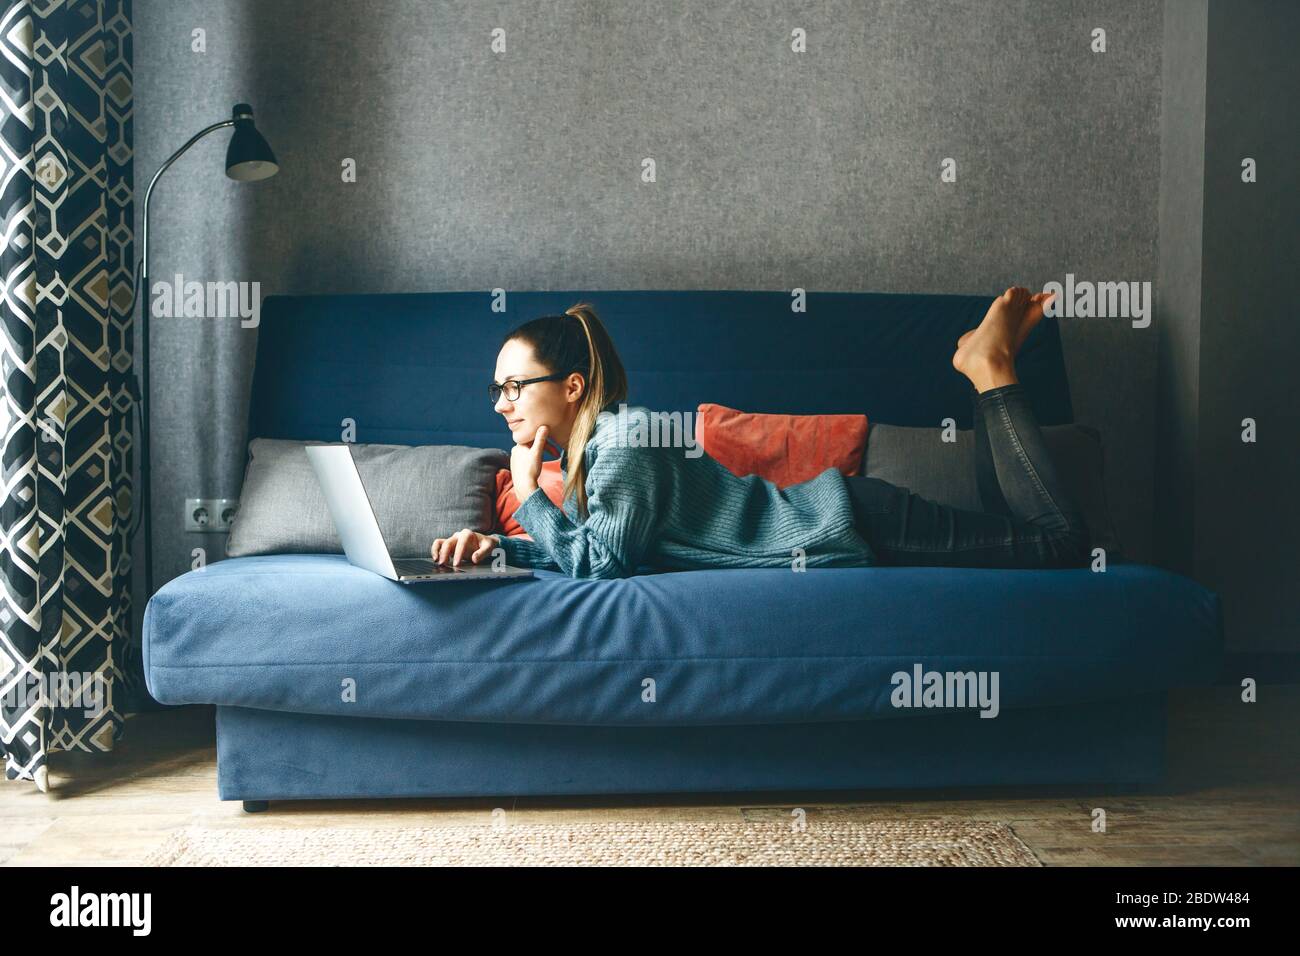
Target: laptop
{"x": 363, "y": 542}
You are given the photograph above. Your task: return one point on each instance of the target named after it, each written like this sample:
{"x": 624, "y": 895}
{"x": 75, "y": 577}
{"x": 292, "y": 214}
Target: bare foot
{"x": 986, "y": 354}
{"x": 1033, "y": 315}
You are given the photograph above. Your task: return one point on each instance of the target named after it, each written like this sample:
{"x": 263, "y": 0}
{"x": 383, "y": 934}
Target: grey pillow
{"x": 419, "y": 492}
{"x": 917, "y": 459}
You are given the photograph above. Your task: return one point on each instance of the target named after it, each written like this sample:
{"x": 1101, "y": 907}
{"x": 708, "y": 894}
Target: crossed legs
{"x": 1028, "y": 521}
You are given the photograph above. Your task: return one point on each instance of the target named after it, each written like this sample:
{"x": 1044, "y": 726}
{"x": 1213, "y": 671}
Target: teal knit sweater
{"x": 658, "y": 506}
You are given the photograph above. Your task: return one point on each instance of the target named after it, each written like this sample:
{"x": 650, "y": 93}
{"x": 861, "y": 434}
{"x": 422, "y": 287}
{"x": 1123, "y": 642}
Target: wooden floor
{"x": 1232, "y": 796}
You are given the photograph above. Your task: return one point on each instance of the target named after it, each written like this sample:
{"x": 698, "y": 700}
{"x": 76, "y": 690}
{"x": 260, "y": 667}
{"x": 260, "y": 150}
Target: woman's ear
{"x": 575, "y": 387}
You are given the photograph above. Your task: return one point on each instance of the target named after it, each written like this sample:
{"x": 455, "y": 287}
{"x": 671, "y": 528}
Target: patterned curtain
{"x": 66, "y": 392}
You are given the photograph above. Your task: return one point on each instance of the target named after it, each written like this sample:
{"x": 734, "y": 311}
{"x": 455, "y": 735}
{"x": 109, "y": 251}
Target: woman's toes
{"x": 1039, "y": 301}
{"x": 1027, "y": 322}
{"x": 1033, "y": 315}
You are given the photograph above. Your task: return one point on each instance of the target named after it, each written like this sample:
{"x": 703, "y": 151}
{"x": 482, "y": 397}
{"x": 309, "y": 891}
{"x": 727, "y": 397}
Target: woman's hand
{"x": 526, "y": 464}
{"x": 478, "y": 546}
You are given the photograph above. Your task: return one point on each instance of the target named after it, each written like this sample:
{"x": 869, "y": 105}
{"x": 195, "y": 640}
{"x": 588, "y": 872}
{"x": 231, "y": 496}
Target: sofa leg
{"x": 256, "y": 806}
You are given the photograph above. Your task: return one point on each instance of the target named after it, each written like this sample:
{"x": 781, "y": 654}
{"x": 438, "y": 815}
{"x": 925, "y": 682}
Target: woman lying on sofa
{"x": 559, "y": 379}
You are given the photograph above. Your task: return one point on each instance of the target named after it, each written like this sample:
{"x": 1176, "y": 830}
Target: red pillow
{"x": 550, "y": 481}
{"x": 784, "y": 449}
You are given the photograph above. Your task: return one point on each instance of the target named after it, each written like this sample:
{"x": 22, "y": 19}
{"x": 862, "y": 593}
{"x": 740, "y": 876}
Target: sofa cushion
{"x": 784, "y": 449}
{"x": 419, "y": 493}
{"x": 551, "y": 481}
{"x": 918, "y": 459}
{"x": 770, "y": 645}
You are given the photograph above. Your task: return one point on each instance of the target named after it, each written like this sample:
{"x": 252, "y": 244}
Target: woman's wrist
{"x": 524, "y": 492}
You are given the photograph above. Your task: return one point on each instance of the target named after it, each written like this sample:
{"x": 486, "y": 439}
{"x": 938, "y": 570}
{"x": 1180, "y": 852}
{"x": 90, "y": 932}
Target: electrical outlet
{"x": 210, "y": 514}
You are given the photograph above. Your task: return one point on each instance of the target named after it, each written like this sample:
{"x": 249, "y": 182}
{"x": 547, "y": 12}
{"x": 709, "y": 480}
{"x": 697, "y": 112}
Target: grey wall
{"x": 775, "y": 170}
{"x": 1247, "y": 520}
{"x": 1228, "y": 339}
{"x": 1178, "y": 320}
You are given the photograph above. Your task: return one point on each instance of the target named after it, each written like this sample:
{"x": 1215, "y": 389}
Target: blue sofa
{"x": 700, "y": 681}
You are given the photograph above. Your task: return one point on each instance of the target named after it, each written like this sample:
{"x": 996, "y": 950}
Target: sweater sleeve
{"x": 526, "y": 554}
{"x": 619, "y": 529}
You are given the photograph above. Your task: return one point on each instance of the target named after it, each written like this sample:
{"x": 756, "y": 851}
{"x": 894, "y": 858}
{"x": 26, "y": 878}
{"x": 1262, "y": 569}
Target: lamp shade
{"x": 248, "y": 157}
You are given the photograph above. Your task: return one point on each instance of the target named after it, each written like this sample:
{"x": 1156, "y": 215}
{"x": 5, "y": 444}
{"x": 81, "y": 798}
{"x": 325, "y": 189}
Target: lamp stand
{"x": 142, "y": 377}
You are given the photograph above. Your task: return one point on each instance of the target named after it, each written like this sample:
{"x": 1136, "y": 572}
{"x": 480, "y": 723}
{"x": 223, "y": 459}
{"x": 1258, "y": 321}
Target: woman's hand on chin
{"x": 526, "y": 464}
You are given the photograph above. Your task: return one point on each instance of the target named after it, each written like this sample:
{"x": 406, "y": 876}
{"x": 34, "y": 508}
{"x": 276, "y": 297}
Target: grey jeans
{"x": 1028, "y": 521}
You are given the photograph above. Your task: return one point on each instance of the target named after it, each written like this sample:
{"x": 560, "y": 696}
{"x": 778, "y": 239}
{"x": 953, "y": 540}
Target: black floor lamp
{"x": 248, "y": 159}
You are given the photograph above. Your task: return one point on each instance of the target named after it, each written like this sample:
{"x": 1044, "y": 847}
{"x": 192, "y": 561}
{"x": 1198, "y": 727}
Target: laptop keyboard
{"x": 418, "y": 566}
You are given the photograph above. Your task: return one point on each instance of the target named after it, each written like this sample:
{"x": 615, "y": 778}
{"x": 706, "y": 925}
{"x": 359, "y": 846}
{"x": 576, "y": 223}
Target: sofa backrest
{"x": 414, "y": 369}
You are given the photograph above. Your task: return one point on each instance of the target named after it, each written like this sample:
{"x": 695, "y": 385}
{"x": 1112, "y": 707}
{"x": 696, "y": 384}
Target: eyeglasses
{"x": 512, "y": 386}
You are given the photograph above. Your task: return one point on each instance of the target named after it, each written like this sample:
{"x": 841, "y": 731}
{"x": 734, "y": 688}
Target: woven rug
{"x": 773, "y": 842}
